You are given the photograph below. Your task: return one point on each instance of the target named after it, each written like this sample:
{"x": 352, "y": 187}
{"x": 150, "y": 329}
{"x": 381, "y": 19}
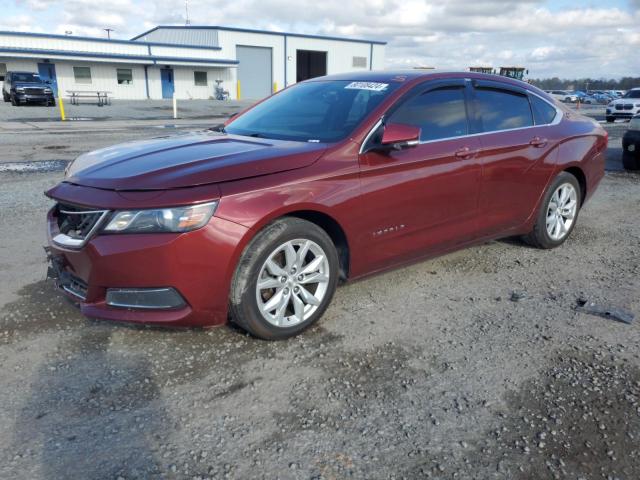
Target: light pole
{"x": 108, "y": 30}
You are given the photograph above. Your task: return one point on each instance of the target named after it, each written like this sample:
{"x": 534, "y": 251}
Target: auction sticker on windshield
{"x": 376, "y": 87}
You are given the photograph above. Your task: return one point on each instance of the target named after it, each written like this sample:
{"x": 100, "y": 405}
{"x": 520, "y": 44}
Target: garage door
{"x": 254, "y": 72}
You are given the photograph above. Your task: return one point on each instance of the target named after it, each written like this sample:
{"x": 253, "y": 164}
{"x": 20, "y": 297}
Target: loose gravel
{"x": 475, "y": 365}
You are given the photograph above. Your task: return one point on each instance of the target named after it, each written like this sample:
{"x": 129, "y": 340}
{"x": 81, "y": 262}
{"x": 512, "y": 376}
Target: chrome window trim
{"x": 66, "y": 241}
{"x": 558, "y": 118}
{"x": 370, "y": 134}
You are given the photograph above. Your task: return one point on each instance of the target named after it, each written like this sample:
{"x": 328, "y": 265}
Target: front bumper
{"x": 622, "y": 113}
{"x": 29, "y": 98}
{"x": 197, "y": 265}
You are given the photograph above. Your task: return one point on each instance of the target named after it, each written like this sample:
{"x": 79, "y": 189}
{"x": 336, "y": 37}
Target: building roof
{"x": 106, "y": 40}
{"x": 250, "y": 30}
{"x": 117, "y": 56}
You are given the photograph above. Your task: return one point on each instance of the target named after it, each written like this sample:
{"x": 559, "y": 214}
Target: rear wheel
{"x": 285, "y": 279}
{"x": 630, "y": 160}
{"x": 558, "y": 213}
{"x": 5, "y": 97}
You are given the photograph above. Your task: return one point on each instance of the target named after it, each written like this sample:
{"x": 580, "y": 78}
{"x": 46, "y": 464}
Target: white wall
{"x": 104, "y": 77}
{"x": 339, "y": 54}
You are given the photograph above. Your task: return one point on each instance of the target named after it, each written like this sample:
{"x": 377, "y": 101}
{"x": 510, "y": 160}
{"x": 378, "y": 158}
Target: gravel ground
{"x": 475, "y": 365}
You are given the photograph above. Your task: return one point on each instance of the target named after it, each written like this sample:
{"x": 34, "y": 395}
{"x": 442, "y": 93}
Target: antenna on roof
{"x": 186, "y": 9}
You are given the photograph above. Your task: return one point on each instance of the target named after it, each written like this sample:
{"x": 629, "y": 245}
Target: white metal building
{"x": 185, "y": 61}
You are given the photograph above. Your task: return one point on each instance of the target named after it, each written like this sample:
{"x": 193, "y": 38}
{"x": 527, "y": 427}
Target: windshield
{"x": 319, "y": 111}
{"x": 632, "y": 94}
{"x": 26, "y": 78}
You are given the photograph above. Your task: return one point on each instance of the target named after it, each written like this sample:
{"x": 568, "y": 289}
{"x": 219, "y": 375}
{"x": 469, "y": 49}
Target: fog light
{"x": 145, "y": 298}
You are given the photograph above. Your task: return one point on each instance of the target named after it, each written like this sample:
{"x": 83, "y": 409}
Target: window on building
{"x": 3, "y": 71}
{"x": 200, "y": 79}
{"x": 439, "y": 113}
{"x": 82, "y": 74}
{"x": 360, "y": 62}
{"x": 502, "y": 109}
{"x": 125, "y": 76}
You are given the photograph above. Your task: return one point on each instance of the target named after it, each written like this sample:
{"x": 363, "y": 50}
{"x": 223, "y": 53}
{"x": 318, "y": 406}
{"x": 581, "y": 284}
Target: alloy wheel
{"x": 292, "y": 282}
{"x": 561, "y": 211}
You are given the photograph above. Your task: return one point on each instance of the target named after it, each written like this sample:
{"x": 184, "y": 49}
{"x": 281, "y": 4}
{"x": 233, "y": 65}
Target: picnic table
{"x": 100, "y": 96}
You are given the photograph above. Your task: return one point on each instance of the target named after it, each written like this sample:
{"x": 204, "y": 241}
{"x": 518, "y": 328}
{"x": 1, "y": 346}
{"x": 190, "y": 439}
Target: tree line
{"x": 555, "y": 83}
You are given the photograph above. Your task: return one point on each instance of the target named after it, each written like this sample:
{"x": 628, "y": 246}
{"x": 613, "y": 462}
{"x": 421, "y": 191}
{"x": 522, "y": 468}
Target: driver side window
{"x": 439, "y": 113}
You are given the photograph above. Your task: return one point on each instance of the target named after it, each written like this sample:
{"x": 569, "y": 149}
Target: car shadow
{"x": 92, "y": 413}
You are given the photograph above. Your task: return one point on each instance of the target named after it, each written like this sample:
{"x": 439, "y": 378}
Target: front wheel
{"x": 558, "y": 213}
{"x": 14, "y": 102}
{"x": 610, "y": 119}
{"x": 285, "y": 279}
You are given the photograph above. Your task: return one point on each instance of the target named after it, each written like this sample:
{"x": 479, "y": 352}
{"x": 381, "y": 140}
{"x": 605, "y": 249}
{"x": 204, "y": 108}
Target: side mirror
{"x": 399, "y": 136}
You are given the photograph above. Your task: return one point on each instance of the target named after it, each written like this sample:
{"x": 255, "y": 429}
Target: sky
{"x": 563, "y": 38}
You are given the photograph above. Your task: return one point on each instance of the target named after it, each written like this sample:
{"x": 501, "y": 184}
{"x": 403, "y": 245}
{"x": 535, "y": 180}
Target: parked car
{"x": 26, "y": 87}
{"x": 631, "y": 145}
{"x": 626, "y": 107}
{"x": 329, "y": 180}
{"x": 563, "y": 96}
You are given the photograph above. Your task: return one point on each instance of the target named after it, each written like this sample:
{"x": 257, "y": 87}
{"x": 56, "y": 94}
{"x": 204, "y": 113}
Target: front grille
{"x": 626, "y": 106}
{"x": 76, "y": 224}
{"x": 34, "y": 91}
{"x": 73, "y": 285}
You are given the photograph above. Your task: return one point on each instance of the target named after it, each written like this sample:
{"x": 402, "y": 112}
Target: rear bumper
{"x": 198, "y": 265}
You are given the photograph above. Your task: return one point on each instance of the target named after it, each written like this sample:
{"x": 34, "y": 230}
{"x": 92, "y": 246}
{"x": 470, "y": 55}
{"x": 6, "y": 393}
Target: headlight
{"x": 610, "y": 104}
{"x": 19, "y": 89}
{"x": 177, "y": 219}
{"x": 48, "y": 90}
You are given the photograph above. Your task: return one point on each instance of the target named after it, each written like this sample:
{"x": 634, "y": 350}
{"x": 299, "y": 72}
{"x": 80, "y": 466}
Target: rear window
{"x": 502, "y": 109}
{"x": 543, "y": 113}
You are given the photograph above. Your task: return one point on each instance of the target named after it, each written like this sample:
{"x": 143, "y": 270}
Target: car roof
{"x": 20, "y": 71}
{"x": 417, "y": 74}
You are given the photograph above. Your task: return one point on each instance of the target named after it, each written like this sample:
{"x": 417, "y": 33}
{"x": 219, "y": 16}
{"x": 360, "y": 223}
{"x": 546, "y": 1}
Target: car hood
{"x": 31, "y": 85}
{"x": 187, "y": 160}
{"x": 625, "y": 100}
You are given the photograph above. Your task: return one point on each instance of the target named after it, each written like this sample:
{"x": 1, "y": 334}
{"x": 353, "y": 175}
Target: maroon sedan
{"x": 327, "y": 181}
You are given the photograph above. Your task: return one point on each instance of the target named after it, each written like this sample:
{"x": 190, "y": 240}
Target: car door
{"x": 424, "y": 198}
{"x": 513, "y": 153}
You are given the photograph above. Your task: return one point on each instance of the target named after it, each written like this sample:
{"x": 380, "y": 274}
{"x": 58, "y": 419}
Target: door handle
{"x": 538, "y": 142}
{"x": 465, "y": 152}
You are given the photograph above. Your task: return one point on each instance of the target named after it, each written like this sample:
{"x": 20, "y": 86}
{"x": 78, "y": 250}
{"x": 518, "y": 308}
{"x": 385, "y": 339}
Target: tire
{"x": 541, "y": 236}
{"x": 292, "y": 313}
{"x": 5, "y": 97}
{"x": 14, "y": 102}
{"x": 610, "y": 119}
{"x": 630, "y": 160}
{"x": 51, "y": 103}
